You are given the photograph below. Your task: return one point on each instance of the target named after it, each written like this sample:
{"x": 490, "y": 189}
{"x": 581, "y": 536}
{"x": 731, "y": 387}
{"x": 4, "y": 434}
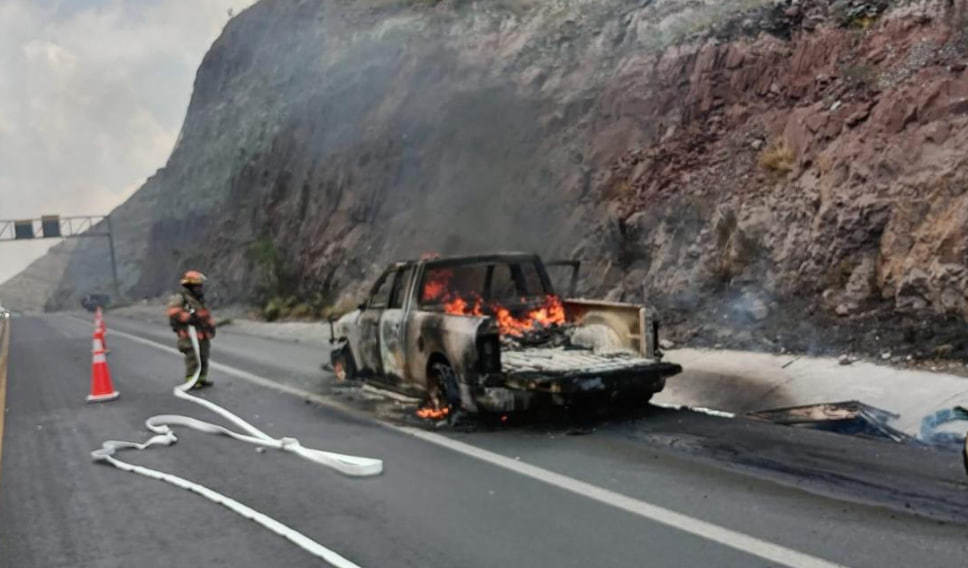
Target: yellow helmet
{"x": 193, "y": 277}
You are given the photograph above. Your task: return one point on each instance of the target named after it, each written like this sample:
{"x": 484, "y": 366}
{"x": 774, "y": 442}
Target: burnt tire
{"x": 447, "y": 381}
{"x": 343, "y": 365}
{"x": 443, "y": 390}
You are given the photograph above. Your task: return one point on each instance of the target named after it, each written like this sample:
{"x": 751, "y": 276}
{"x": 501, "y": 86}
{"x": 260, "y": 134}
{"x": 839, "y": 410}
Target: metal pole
{"x": 114, "y": 264}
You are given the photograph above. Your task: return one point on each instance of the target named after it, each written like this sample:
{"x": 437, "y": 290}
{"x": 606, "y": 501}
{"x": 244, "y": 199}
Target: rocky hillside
{"x": 782, "y": 174}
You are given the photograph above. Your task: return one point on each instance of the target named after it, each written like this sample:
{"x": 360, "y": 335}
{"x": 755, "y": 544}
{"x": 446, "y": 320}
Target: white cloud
{"x": 41, "y": 52}
{"x": 92, "y": 96}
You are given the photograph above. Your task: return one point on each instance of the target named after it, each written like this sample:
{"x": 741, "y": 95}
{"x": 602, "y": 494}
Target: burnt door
{"x": 393, "y": 330}
{"x": 370, "y": 361}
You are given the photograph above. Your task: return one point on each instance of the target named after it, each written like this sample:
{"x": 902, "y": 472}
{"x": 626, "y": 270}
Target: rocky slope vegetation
{"x": 783, "y": 174}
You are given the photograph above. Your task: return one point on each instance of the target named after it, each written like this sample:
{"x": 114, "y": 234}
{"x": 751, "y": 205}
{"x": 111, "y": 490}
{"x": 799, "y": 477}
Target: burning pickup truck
{"x": 489, "y": 334}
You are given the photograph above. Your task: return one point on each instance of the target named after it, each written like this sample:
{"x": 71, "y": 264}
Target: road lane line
{"x": 699, "y": 409}
{"x": 709, "y": 531}
{"x": 4, "y": 356}
{"x": 685, "y": 523}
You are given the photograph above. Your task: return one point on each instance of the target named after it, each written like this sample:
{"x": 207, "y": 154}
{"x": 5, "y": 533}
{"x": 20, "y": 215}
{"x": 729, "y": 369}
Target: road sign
{"x": 50, "y": 225}
{"x": 23, "y": 229}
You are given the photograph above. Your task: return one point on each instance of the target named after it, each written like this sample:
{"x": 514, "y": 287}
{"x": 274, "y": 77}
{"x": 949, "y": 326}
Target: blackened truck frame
{"x": 400, "y": 342}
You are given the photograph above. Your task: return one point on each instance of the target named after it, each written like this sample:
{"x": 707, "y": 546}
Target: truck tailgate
{"x": 558, "y": 370}
{"x": 560, "y": 360}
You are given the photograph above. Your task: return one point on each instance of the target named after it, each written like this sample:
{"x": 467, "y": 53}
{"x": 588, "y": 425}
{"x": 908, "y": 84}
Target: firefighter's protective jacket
{"x": 184, "y": 309}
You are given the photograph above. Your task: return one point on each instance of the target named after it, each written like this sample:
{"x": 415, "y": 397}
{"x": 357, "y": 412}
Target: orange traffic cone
{"x": 99, "y": 333}
{"x": 101, "y": 387}
{"x": 101, "y": 330}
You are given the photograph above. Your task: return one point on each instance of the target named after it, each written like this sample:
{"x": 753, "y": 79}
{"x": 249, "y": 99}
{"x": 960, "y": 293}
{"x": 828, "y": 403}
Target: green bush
{"x": 273, "y": 309}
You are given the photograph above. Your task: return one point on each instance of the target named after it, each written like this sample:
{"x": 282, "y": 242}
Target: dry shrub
{"x": 302, "y": 311}
{"x": 777, "y": 157}
{"x": 344, "y": 305}
{"x": 618, "y": 189}
{"x": 824, "y": 164}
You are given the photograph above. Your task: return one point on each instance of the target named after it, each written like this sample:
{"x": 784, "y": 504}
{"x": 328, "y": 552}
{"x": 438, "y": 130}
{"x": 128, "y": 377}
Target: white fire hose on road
{"x": 160, "y": 425}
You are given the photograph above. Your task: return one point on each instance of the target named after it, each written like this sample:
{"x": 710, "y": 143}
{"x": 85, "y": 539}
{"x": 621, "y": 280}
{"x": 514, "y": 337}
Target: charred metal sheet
{"x": 504, "y": 399}
{"x": 553, "y": 336}
{"x": 931, "y": 432}
{"x": 850, "y": 417}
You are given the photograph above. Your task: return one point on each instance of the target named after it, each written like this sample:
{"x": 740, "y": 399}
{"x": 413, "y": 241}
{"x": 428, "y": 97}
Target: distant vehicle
{"x": 488, "y": 333}
{"x": 92, "y": 302}
{"x": 4, "y": 313}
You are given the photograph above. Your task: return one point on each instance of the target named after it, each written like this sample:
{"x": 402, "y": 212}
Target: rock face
{"x": 824, "y": 172}
{"x": 791, "y": 169}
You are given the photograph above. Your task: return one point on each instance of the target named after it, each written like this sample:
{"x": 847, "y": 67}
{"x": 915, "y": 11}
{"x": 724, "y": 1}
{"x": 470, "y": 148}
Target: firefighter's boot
{"x": 203, "y": 382}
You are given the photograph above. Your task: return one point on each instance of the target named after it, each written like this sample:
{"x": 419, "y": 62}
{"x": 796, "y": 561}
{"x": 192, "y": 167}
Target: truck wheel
{"x": 442, "y": 389}
{"x": 343, "y": 366}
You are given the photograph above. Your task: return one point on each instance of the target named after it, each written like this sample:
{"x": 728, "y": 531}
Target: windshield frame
{"x": 490, "y": 261}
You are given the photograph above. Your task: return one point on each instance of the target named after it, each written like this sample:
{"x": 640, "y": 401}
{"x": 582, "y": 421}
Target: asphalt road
{"x": 585, "y": 502}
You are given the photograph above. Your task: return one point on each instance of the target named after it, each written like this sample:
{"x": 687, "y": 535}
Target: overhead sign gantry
{"x": 57, "y": 227}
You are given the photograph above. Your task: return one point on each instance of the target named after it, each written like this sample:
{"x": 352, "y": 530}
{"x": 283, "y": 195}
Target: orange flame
{"x": 428, "y": 413}
{"x": 435, "y": 288}
{"x": 460, "y": 306}
{"x": 552, "y": 312}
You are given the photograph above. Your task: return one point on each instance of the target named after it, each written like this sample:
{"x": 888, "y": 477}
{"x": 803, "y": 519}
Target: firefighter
{"x": 185, "y": 308}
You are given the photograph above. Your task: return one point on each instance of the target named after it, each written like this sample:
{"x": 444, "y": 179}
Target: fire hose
{"x": 161, "y": 426}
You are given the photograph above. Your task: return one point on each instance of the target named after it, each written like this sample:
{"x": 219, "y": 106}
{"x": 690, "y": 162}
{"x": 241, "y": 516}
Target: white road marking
{"x": 685, "y": 523}
{"x": 699, "y": 409}
{"x": 709, "y": 531}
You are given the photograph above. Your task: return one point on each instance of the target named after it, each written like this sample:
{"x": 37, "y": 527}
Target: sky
{"x": 92, "y": 96}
